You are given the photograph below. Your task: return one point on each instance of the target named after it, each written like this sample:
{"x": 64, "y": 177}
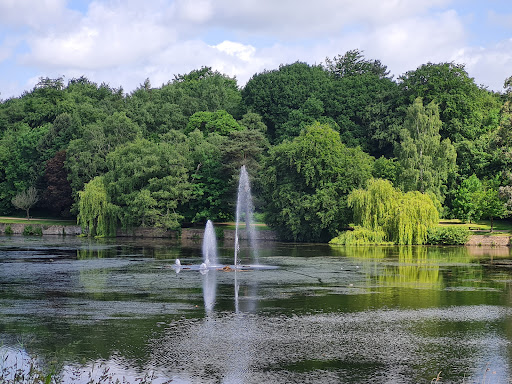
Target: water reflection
{"x": 391, "y": 314}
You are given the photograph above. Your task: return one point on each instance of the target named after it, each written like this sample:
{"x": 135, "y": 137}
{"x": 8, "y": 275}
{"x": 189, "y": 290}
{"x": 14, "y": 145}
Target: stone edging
{"x": 226, "y": 234}
{"x": 489, "y": 241}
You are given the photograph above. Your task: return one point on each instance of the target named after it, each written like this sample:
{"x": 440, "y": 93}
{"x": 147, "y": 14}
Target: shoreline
{"x": 488, "y": 240}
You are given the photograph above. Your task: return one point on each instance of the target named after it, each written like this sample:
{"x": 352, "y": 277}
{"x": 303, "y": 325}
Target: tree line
{"x": 309, "y": 135}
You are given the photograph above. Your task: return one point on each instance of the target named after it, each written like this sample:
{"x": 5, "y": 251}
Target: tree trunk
{"x": 492, "y": 224}
{"x": 28, "y": 216}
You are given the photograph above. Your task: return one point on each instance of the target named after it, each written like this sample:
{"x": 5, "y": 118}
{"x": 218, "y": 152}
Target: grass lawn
{"x": 484, "y": 226}
{"x": 232, "y": 225}
{"x": 42, "y": 221}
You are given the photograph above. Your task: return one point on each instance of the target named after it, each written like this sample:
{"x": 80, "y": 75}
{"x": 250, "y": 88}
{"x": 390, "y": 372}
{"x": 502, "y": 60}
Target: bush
{"x": 32, "y": 231}
{"x": 361, "y": 236}
{"x": 8, "y": 230}
{"x": 448, "y": 236}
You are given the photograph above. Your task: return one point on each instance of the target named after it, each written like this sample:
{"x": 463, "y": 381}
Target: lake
{"x": 83, "y": 308}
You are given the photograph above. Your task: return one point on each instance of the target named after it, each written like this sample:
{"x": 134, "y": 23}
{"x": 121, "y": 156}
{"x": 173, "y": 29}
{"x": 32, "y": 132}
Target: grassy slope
{"x": 20, "y": 220}
{"x": 483, "y": 226}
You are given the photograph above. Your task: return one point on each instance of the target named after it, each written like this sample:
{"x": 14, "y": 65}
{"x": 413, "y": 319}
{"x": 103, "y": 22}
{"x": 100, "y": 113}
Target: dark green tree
{"x": 275, "y": 94}
{"x": 466, "y": 110}
{"x": 353, "y": 63}
{"x": 306, "y": 182}
{"x": 148, "y": 182}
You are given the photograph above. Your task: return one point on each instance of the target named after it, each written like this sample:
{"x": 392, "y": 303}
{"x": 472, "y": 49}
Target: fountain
{"x": 209, "y": 246}
{"x": 244, "y": 213}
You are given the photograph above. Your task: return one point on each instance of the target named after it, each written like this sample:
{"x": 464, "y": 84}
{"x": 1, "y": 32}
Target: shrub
{"x": 8, "y": 230}
{"x": 361, "y": 236}
{"x": 448, "y": 236}
{"x": 32, "y": 231}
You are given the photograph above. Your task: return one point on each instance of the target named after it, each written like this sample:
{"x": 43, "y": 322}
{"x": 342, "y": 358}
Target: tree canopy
{"x": 306, "y": 182}
{"x": 169, "y": 155}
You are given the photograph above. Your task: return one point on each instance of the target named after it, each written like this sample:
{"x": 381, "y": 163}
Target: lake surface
{"x": 324, "y": 315}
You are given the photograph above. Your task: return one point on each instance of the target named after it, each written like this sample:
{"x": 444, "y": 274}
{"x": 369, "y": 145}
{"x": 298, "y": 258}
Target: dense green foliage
{"x": 361, "y": 236}
{"x": 426, "y": 162}
{"x": 448, "y": 236}
{"x": 404, "y": 218}
{"x": 169, "y": 156}
{"x": 306, "y": 182}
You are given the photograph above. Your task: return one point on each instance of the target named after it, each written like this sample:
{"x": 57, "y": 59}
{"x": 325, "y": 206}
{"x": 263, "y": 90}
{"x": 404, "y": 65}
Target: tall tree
{"x": 57, "y": 197}
{"x": 148, "y": 182}
{"x": 96, "y": 214}
{"x": 426, "y": 161}
{"x": 465, "y": 204}
{"x": 275, "y": 94}
{"x": 306, "y": 182}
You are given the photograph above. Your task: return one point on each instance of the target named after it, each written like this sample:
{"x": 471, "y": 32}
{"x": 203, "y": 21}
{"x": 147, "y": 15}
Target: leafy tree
{"x": 387, "y": 169}
{"x": 306, "y": 182}
{"x": 426, "y": 161}
{"x": 275, "y": 94}
{"x": 465, "y": 204}
{"x": 207, "y": 90}
{"x": 21, "y": 161}
{"x": 311, "y": 112}
{"x": 480, "y": 200}
{"x": 207, "y": 177}
{"x": 148, "y": 182}
{"x": 364, "y": 108}
{"x": 352, "y": 63}
{"x": 57, "y": 197}
{"x": 489, "y": 202}
{"x": 26, "y": 200}
{"x": 404, "y": 218}
{"x": 96, "y": 214}
{"x": 220, "y": 122}
{"x": 466, "y": 110}
{"x": 86, "y": 156}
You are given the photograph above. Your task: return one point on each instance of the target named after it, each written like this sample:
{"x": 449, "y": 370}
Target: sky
{"x": 124, "y": 42}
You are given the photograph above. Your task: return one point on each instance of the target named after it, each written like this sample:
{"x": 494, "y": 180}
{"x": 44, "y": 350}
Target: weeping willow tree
{"x": 414, "y": 214}
{"x": 373, "y": 206}
{"x": 404, "y": 218}
{"x": 96, "y": 214}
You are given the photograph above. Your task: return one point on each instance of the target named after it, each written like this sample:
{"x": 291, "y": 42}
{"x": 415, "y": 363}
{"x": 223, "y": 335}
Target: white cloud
{"x": 106, "y": 37}
{"x": 124, "y": 42}
{"x": 490, "y": 66}
{"x": 304, "y": 18}
{"x": 405, "y": 45}
{"x": 33, "y": 14}
{"x": 241, "y": 51}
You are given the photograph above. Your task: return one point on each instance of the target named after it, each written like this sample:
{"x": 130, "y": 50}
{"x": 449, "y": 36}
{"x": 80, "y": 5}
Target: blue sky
{"x": 123, "y": 42}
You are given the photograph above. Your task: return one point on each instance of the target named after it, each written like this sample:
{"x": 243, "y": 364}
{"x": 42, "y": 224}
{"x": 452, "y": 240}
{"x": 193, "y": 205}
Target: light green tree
{"x": 489, "y": 202}
{"x": 96, "y": 214}
{"x": 465, "y": 204}
{"x": 404, "y": 218}
{"x": 427, "y": 162}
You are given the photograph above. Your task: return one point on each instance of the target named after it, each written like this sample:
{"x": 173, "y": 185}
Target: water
{"x": 326, "y": 315}
{"x": 244, "y": 214}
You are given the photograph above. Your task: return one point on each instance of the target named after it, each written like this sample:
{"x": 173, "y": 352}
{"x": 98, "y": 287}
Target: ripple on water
{"x": 323, "y": 347}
